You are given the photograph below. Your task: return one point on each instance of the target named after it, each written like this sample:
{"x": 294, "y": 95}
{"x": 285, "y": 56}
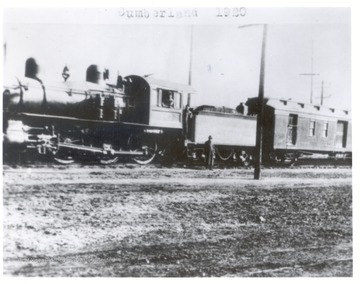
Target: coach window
{"x": 325, "y": 129}
{"x": 312, "y": 128}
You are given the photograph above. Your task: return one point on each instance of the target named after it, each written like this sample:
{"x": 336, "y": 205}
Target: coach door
{"x": 292, "y": 130}
{"x": 341, "y": 133}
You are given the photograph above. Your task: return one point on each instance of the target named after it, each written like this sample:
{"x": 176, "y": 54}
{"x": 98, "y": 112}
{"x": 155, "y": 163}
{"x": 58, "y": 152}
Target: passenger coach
{"x": 293, "y": 129}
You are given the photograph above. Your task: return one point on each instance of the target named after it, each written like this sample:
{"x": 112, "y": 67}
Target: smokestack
{"x": 31, "y": 68}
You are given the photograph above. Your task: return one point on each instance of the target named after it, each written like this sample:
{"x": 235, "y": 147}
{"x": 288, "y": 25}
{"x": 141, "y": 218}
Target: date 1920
{"x": 231, "y": 12}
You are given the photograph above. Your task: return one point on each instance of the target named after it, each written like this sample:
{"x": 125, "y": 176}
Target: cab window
{"x": 169, "y": 99}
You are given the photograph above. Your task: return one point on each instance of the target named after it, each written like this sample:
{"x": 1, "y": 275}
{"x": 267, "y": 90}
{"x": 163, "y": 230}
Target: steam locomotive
{"x": 142, "y": 118}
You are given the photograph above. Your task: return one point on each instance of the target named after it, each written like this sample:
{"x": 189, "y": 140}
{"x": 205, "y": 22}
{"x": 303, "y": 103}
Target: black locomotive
{"x": 141, "y": 118}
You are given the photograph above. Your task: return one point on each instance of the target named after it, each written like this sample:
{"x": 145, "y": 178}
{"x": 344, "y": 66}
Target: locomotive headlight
{"x": 15, "y": 132}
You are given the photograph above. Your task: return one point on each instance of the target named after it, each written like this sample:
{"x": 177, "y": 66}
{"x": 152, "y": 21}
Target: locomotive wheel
{"x": 64, "y": 159}
{"x": 140, "y": 144}
{"x": 62, "y": 156}
{"x": 224, "y": 154}
{"x": 246, "y": 160}
{"x": 108, "y": 160}
{"x": 108, "y": 156}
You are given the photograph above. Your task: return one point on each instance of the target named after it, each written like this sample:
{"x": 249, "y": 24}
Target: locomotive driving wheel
{"x": 143, "y": 144}
{"x": 64, "y": 159}
{"x": 108, "y": 160}
{"x": 63, "y": 156}
{"x": 108, "y": 157}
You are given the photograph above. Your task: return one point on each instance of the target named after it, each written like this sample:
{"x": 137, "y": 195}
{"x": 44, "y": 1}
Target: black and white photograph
{"x": 177, "y": 142}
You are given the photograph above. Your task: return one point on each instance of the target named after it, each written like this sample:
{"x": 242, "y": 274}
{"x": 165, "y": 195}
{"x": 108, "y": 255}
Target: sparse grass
{"x": 177, "y": 222}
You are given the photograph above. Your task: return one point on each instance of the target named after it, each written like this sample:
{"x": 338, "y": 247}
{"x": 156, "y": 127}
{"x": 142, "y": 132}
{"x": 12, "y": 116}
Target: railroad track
{"x": 301, "y": 164}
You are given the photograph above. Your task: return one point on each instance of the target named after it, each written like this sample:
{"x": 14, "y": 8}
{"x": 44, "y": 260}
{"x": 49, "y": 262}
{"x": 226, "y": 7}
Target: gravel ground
{"x": 127, "y": 220}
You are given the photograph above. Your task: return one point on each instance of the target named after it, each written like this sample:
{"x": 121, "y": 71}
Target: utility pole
{"x": 322, "y": 93}
{"x": 311, "y": 74}
{"x": 190, "y": 61}
{"x": 260, "y": 104}
{"x": 259, "y": 122}
{"x": 322, "y": 96}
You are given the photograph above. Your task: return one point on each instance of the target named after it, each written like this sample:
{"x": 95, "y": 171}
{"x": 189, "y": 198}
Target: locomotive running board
{"x": 98, "y": 150}
{"x": 67, "y": 118}
{"x": 84, "y": 120}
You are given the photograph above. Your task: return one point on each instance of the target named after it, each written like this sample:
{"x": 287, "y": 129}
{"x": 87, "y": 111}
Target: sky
{"x": 225, "y": 58}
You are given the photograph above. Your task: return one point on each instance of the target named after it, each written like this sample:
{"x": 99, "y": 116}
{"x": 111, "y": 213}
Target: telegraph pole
{"x": 311, "y": 74}
{"x": 260, "y": 104}
{"x": 322, "y": 96}
{"x": 259, "y": 122}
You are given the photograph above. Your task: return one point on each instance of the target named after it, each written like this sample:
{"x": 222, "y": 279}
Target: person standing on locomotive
{"x": 210, "y": 153}
{"x": 187, "y": 115}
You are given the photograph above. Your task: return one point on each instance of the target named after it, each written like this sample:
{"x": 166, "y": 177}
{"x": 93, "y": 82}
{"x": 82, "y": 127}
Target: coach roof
{"x": 293, "y": 106}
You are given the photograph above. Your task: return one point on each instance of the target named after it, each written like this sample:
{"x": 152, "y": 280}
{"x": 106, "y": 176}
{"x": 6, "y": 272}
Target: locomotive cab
{"x": 155, "y": 103}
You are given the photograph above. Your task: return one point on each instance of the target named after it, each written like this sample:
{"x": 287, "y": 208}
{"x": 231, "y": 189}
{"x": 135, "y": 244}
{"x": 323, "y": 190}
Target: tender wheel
{"x": 144, "y": 145}
{"x": 224, "y": 154}
{"x": 246, "y": 160}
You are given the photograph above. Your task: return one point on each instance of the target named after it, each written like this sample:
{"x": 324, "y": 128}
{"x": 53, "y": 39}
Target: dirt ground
{"x": 133, "y": 221}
